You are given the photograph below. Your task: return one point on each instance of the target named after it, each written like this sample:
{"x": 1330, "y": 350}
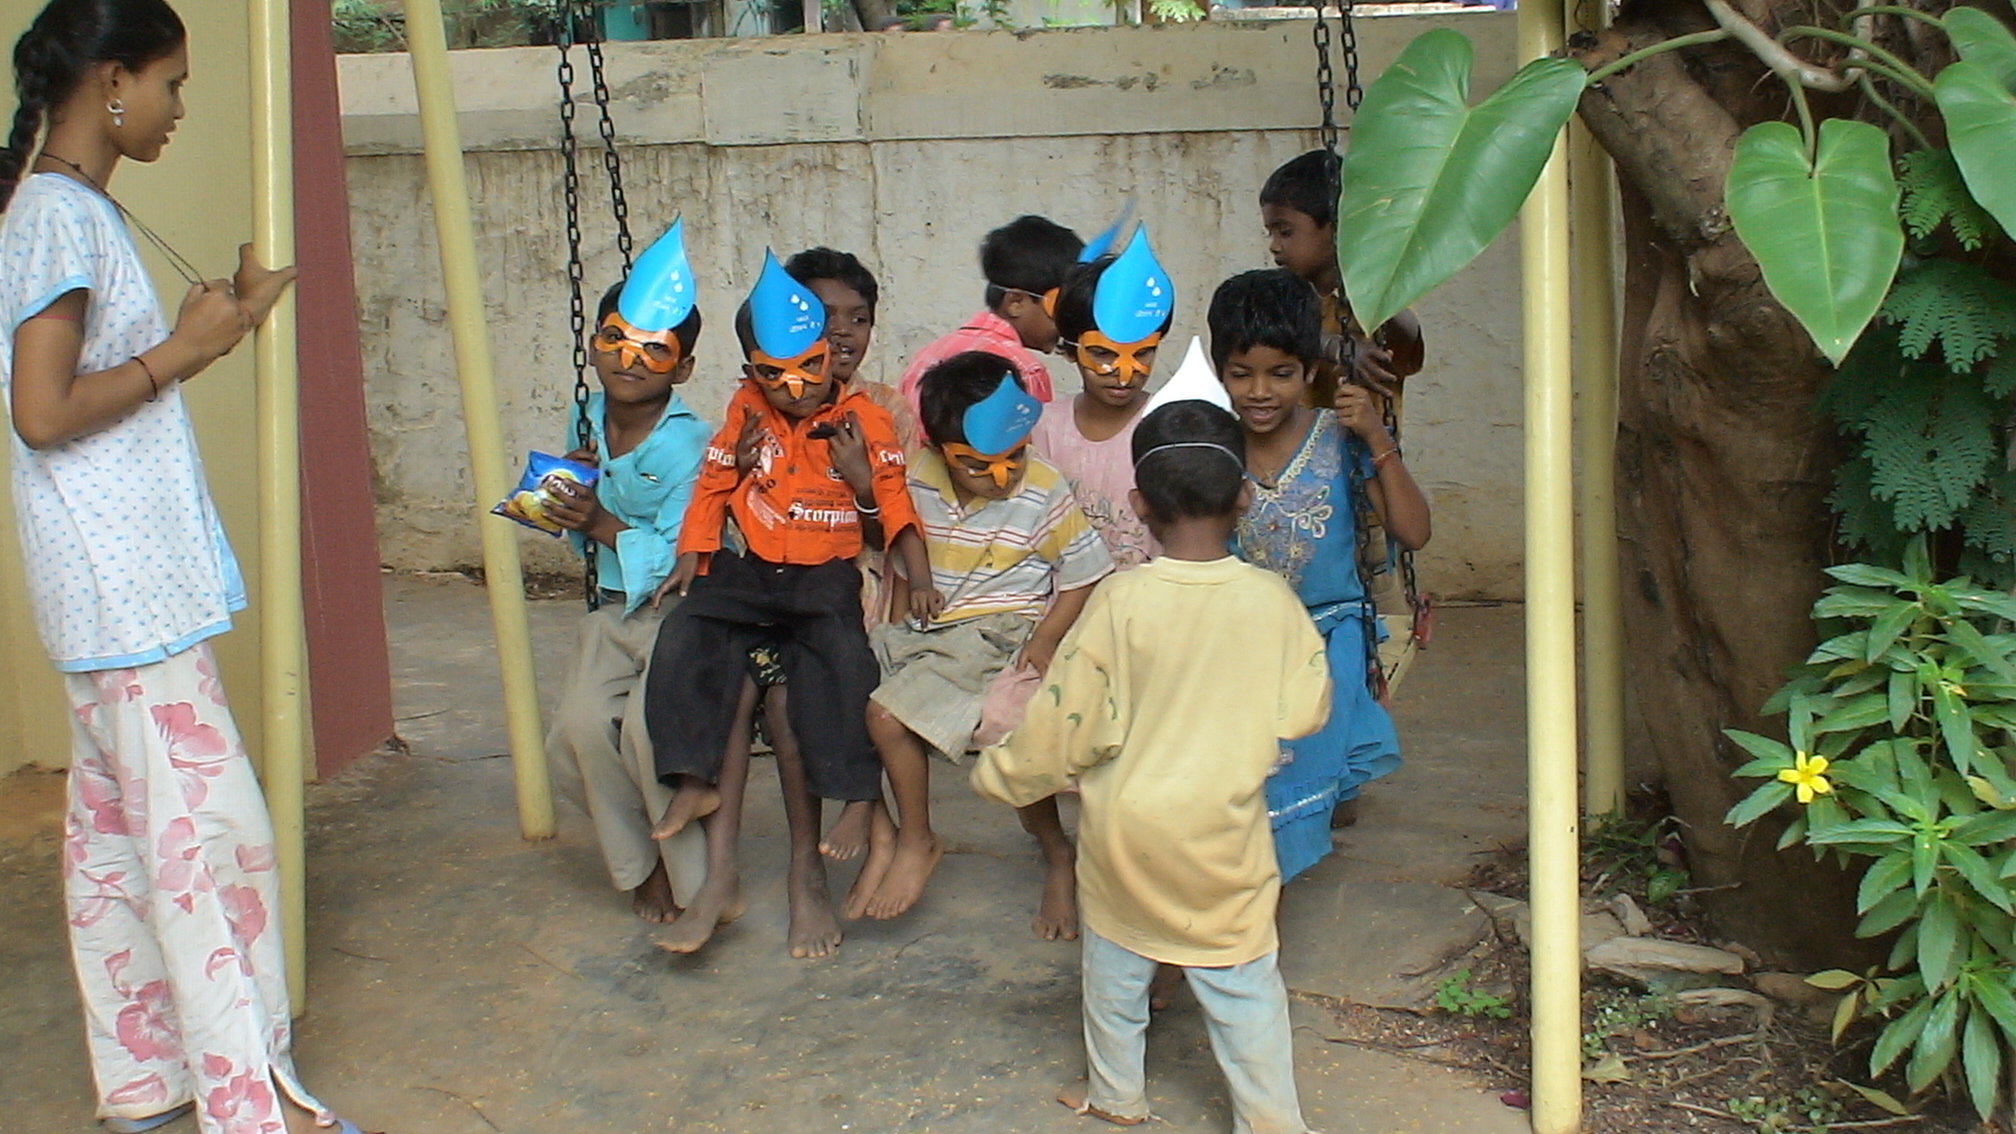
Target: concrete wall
{"x": 904, "y": 150}
{"x": 199, "y": 198}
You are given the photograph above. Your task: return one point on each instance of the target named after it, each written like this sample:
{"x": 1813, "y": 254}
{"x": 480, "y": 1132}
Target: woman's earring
{"x": 118, "y": 109}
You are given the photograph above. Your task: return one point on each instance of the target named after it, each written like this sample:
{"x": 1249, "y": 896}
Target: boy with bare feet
{"x": 1167, "y": 706}
{"x": 1012, "y": 563}
{"x": 849, "y": 293}
{"x": 825, "y": 472}
{"x": 649, "y": 446}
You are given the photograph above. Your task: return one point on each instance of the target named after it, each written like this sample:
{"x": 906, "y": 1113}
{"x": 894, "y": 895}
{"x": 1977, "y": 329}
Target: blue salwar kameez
{"x": 1304, "y": 528}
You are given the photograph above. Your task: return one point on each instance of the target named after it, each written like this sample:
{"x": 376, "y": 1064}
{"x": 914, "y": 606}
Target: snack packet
{"x": 527, "y": 505}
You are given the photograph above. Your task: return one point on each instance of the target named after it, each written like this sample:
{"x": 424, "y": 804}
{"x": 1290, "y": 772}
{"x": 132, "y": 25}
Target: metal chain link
{"x": 577, "y": 305}
{"x": 612, "y": 163}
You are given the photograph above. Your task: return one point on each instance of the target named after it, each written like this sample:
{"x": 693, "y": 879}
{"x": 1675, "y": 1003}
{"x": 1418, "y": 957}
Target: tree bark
{"x": 1723, "y": 469}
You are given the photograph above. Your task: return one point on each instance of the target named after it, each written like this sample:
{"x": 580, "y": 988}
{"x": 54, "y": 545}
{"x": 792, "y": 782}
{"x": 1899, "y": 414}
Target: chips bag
{"x": 528, "y": 504}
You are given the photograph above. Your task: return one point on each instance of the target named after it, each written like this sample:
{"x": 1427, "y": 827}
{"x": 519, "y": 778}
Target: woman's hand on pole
{"x": 257, "y": 288}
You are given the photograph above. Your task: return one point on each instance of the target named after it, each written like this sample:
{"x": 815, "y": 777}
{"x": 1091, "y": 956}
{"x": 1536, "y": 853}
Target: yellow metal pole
{"x": 443, "y": 140}
{"x": 1594, "y": 245}
{"x": 1550, "y": 626}
{"x": 282, "y": 646}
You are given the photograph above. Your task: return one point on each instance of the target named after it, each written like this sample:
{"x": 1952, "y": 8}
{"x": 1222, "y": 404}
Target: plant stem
{"x": 1869, "y": 91}
{"x": 1782, "y": 61}
{"x": 1805, "y": 109}
{"x": 1903, "y": 71}
{"x": 1690, "y": 40}
{"x": 1893, "y": 10}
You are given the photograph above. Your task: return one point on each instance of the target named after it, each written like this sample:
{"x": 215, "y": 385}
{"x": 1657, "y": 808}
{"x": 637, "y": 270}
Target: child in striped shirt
{"x": 1013, "y": 560}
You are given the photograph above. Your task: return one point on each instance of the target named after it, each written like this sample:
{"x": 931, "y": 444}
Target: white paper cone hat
{"x": 1193, "y": 381}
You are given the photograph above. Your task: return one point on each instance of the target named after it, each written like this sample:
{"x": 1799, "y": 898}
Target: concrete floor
{"x": 464, "y": 981}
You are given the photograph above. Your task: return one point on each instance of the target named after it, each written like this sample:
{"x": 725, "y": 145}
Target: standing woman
{"x": 168, "y": 860}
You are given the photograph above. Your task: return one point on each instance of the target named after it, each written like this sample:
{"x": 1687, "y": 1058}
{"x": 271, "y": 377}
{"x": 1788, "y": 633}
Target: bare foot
{"x": 874, "y": 868}
{"x": 1073, "y": 1095}
{"x": 1345, "y": 814}
{"x": 848, "y": 836}
{"x": 815, "y": 932}
{"x": 917, "y": 855}
{"x": 653, "y": 900}
{"x": 695, "y": 799}
{"x": 1162, "y": 989}
{"x": 718, "y": 903}
{"x": 1057, "y": 917}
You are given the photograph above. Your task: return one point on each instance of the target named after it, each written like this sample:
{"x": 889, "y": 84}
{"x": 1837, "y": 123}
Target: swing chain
{"x": 611, "y": 163}
{"x": 577, "y": 308}
{"x": 1326, "y": 73}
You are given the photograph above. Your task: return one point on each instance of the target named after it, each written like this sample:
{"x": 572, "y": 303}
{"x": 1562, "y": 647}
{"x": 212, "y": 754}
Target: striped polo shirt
{"x": 1005, "y": 556}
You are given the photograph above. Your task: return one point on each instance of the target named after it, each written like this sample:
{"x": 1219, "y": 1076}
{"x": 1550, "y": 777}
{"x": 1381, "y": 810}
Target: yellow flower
{"x": 1806, "y": 776}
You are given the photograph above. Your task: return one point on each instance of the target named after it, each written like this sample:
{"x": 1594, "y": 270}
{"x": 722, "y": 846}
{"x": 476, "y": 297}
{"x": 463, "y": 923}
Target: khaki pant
{"x": 601, "y": 754}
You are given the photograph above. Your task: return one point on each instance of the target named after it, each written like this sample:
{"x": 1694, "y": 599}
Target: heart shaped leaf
{"x": 1825, "y": 231}
{"x": 1981, "y": 127}
{"x": 1982, "y": 40}
{"x": 1429, "y": 180}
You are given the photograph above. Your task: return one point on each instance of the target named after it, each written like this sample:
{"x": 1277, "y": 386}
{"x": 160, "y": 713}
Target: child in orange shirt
{"x": 827, "y": 472}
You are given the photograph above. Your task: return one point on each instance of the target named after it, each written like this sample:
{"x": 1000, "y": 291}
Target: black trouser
{"x": 702, "y": 657}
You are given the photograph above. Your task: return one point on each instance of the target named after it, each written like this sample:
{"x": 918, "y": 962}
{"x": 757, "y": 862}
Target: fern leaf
{"x": 1934, "y": 192}
{"x": 1867, "y": 524}
{"x": 1871, "y": 366}
{"x": 1930, "y": 444}
{"x": 1966, "y": 310}
{"x": 1990, "y": 526}
{"x": 1999, "y": 378}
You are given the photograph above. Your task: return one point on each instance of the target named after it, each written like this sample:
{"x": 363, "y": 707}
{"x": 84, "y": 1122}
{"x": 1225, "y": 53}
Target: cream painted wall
{"x": 904, "y": 150}
{"x": 198, "y": 197}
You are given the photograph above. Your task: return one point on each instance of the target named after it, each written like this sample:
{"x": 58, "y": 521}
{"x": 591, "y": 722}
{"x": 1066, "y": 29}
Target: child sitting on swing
{"x": 648, "y": 445}
{"x": 827, "y": 474}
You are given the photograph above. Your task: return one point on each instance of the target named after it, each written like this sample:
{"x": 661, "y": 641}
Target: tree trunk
{"x": 1723, "y": 469}
{"x": 874, "y": 13}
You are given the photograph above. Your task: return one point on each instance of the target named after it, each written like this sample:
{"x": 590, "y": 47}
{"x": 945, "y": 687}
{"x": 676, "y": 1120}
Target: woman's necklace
{"x": 176, "y": 260}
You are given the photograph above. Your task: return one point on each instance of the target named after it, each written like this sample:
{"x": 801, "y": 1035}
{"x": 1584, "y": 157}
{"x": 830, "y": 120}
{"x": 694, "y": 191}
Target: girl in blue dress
{"x": 1314, "y": 472}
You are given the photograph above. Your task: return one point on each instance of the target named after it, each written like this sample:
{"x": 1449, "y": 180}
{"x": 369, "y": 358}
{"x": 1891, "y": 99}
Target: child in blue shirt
{"x": 649, "y": 446}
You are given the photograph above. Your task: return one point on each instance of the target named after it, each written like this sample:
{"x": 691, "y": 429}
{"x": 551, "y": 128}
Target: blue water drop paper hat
{"x": 1106, "y": 241}
{"x": 1134, "y": 296}
{"x": 659, "y": 294}
{"x": 786, "y": 316}
{"x": 1003, "y": 419}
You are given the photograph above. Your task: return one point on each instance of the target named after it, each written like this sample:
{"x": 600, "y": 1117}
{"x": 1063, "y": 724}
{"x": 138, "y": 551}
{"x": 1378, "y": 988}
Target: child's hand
{"x": 925, "y": 603}
{"x": 748, "y": 446}
{"x": 257, "y": 288}
{"x": 850, "y": 454}
{"x": 1037, "y": 653}
{"x": 585, "y": 455}
{"x": 1359, "y": 413}
{"x": 680, "y": 580}
{"x": 572, "y": 505}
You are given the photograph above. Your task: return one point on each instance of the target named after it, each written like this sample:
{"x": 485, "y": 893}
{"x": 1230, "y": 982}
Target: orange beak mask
{"x": 656, "y": 351}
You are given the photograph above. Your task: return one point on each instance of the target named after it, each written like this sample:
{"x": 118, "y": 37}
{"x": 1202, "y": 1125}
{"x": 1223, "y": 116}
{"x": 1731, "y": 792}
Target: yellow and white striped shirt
{"x": 1005, "y": 556}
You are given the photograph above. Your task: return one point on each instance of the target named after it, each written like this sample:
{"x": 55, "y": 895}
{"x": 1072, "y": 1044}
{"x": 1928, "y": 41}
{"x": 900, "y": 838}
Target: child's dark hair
{"x": 1272, "y": 307}
{"x": 687, "y": 332}
{"x": 1307, "y": 184}
{"x": 1074, "y": 302}
{"x": 60, "y": 47}
{"x": 1029, "y": 254}
{"x": 949, "y": 389}
{"x": 840, "y": 267}
{"x": 1200, "y": 477}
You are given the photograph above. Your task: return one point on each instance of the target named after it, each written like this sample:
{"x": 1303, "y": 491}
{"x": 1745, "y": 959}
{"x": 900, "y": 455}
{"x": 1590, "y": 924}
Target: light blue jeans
{"x": 1245, "y": 1012}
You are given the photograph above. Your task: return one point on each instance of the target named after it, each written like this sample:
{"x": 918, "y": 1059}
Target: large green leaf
{"x": 1981, "y": 127}
{"x": 1982, "y": 40}
{"x": 1825, "y": 231}
{"x": 1430, "y": 180}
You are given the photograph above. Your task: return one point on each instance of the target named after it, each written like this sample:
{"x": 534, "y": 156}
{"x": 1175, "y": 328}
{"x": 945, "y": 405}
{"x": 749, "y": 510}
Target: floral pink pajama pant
{"x": 173, "y": 898}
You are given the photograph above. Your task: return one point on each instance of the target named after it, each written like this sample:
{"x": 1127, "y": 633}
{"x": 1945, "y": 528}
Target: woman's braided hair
{"x": 61, "y": 46}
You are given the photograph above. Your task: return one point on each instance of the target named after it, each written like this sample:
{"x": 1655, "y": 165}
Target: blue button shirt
{"x": 647, "y": 488}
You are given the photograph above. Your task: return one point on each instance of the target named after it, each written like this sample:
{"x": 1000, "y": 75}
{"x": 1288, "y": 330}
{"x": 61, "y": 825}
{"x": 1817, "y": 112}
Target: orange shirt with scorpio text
{"x": 793, "y": 507}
